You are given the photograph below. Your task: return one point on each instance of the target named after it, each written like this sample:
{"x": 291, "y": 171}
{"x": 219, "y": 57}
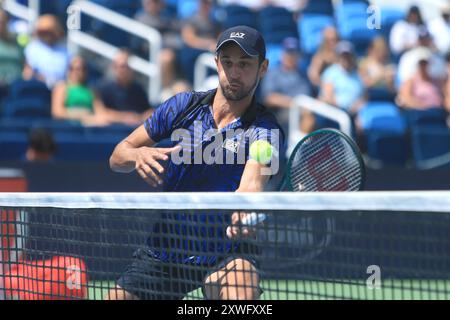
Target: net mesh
{"x": 331, "y": 164}
{"x": 310, "y": 246}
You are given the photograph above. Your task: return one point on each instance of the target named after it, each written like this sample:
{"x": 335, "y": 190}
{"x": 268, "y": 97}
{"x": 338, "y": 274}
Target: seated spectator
{"x": 11, "y": 55}
{"x": 325, "y": 56}
{"x": 421, "y": 91}
{"x": 285, "y": 82}
{"x": 42, "y": 146}
{"x": 124, "y": 99}
{"x": 46, "y": 54}
{"x": 74, "y": 100}
{"x": 405, "y": 33}
{"x": 440, "y": 29}
{"x": 152, "y": 16}
{"x": 408, "y": 63}
{"x": 341, "y": 83}
{"x": 199, "y": 35}
{"x": 375, "y": 70}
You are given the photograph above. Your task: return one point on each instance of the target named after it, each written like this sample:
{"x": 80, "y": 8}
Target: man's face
{"x": 347, "y": 61}
{"x": 290, "y": 60}
{"x": 239, "y": 74}
{"x": 413, "y": 18}
{"x": 121, "y": 68}
{"x": 152, "y": 6}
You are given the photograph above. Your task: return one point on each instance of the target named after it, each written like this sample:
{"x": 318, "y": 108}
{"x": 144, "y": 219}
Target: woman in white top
{"x": 404, "y": 33}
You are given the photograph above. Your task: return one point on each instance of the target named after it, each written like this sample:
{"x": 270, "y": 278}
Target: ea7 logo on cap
{"x": 239, "y": 35}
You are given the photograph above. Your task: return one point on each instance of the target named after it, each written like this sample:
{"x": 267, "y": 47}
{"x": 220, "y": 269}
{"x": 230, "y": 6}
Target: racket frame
{"x": 287, "y": 177}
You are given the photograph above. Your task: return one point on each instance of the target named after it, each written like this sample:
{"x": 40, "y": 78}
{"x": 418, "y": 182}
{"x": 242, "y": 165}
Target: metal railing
{"x": 150, "y": 68}
{"x": 28, "y": 13}
{"x": 303, "y": 102}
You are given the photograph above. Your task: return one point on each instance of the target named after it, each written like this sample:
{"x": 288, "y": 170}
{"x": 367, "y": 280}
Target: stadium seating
{"x": 26, "y": 108}
{"x": 13, "y": 146}
{"x": 29, "y": 89}
{"x": 186, "y": 8}
{"x": 429, "y": 143}
{"x": 352, "y": 21}
{"x": 111, "y": 34}
{"x": 276, "y": 24}
{"x": 389, "y": 17}
{"x": 388, "y": 148}
{"x": 321, "y": 7}
{"x": 239, "y": 15}
{"x": 72, "y": 148}
{"x": 273, "y": 54}
{"x": 385, "y": 131}
{"x": 435, "y": 117}
{"x": 383, "y": 116}
{"x": 15, "y": 125}
{"x": 310, "y": 28}
{"x": 28, "y": 99}
{"x": 380, "y": 95}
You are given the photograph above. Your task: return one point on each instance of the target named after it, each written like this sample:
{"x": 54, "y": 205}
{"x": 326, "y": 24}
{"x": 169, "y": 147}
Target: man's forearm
{"x": 123, "y": 159}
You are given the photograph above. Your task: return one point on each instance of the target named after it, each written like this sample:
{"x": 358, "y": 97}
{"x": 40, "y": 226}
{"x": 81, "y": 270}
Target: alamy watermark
{"x": 73, "y": 18}
{"x": 374, "y": 280}
{"x": 230, "y": 147}
{"x": 374, "y": 19}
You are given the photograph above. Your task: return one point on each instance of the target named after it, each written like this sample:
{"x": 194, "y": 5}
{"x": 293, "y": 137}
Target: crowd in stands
{"x": 405, "y": 68}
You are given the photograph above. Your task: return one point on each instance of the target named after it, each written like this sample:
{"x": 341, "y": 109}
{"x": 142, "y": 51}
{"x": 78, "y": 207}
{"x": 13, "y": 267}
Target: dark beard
{"x": 240, "y": 94}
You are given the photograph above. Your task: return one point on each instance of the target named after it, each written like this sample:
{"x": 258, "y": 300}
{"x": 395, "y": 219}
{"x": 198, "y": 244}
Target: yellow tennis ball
{"x": 261, "y": 151}
{"x": 23, "y": 40}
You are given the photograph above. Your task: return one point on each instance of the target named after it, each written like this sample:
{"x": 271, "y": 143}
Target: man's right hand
{"x": 147, "y": 165}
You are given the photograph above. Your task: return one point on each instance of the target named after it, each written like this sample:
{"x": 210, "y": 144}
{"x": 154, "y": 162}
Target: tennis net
{"x": 364, "y": 245}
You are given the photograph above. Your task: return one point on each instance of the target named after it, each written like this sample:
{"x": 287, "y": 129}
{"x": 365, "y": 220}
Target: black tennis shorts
{"x": 149, "y": 278}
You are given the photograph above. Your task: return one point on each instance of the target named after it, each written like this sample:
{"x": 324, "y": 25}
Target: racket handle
{"x": 253, "y": 219}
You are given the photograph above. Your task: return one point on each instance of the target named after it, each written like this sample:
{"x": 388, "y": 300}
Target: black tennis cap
{"x": 249, "y": 39}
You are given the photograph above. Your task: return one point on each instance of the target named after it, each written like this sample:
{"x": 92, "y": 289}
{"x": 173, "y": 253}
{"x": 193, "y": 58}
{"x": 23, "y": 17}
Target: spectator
{"x": 440, "y": 29}
{"x": 325, "y": 56}
{"x": 11, "y": 55}
{"x": 375, "y": 70}
{"x": 341, "y": 84}
{"x": 124, "y": 99}
{"x": 152, "y": 16}
{"x": 42, "y": 146}
{"x": 405, "y": 33}
{"x": 73, "y": 100}
{"x": 421, "y": 91}
{"x": 285, "y": 82}
{"x": 46, "y": 54}
{"x": 199, "y": 35}
{"x": 408, "y": 63}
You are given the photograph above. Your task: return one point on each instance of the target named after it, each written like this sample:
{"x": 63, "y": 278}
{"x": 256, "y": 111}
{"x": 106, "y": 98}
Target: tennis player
{"x": 212, "y": 251}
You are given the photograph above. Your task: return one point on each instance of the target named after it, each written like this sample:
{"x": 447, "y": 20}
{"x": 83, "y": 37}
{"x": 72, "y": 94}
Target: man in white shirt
{"x": 440, "y": 29}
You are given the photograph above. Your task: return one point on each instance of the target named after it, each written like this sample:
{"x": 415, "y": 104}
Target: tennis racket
{"x": 324, "y": 160}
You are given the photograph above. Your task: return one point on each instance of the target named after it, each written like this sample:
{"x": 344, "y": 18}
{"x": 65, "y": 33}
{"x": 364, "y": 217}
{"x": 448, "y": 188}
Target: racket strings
{"x": 325, "y": 162}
